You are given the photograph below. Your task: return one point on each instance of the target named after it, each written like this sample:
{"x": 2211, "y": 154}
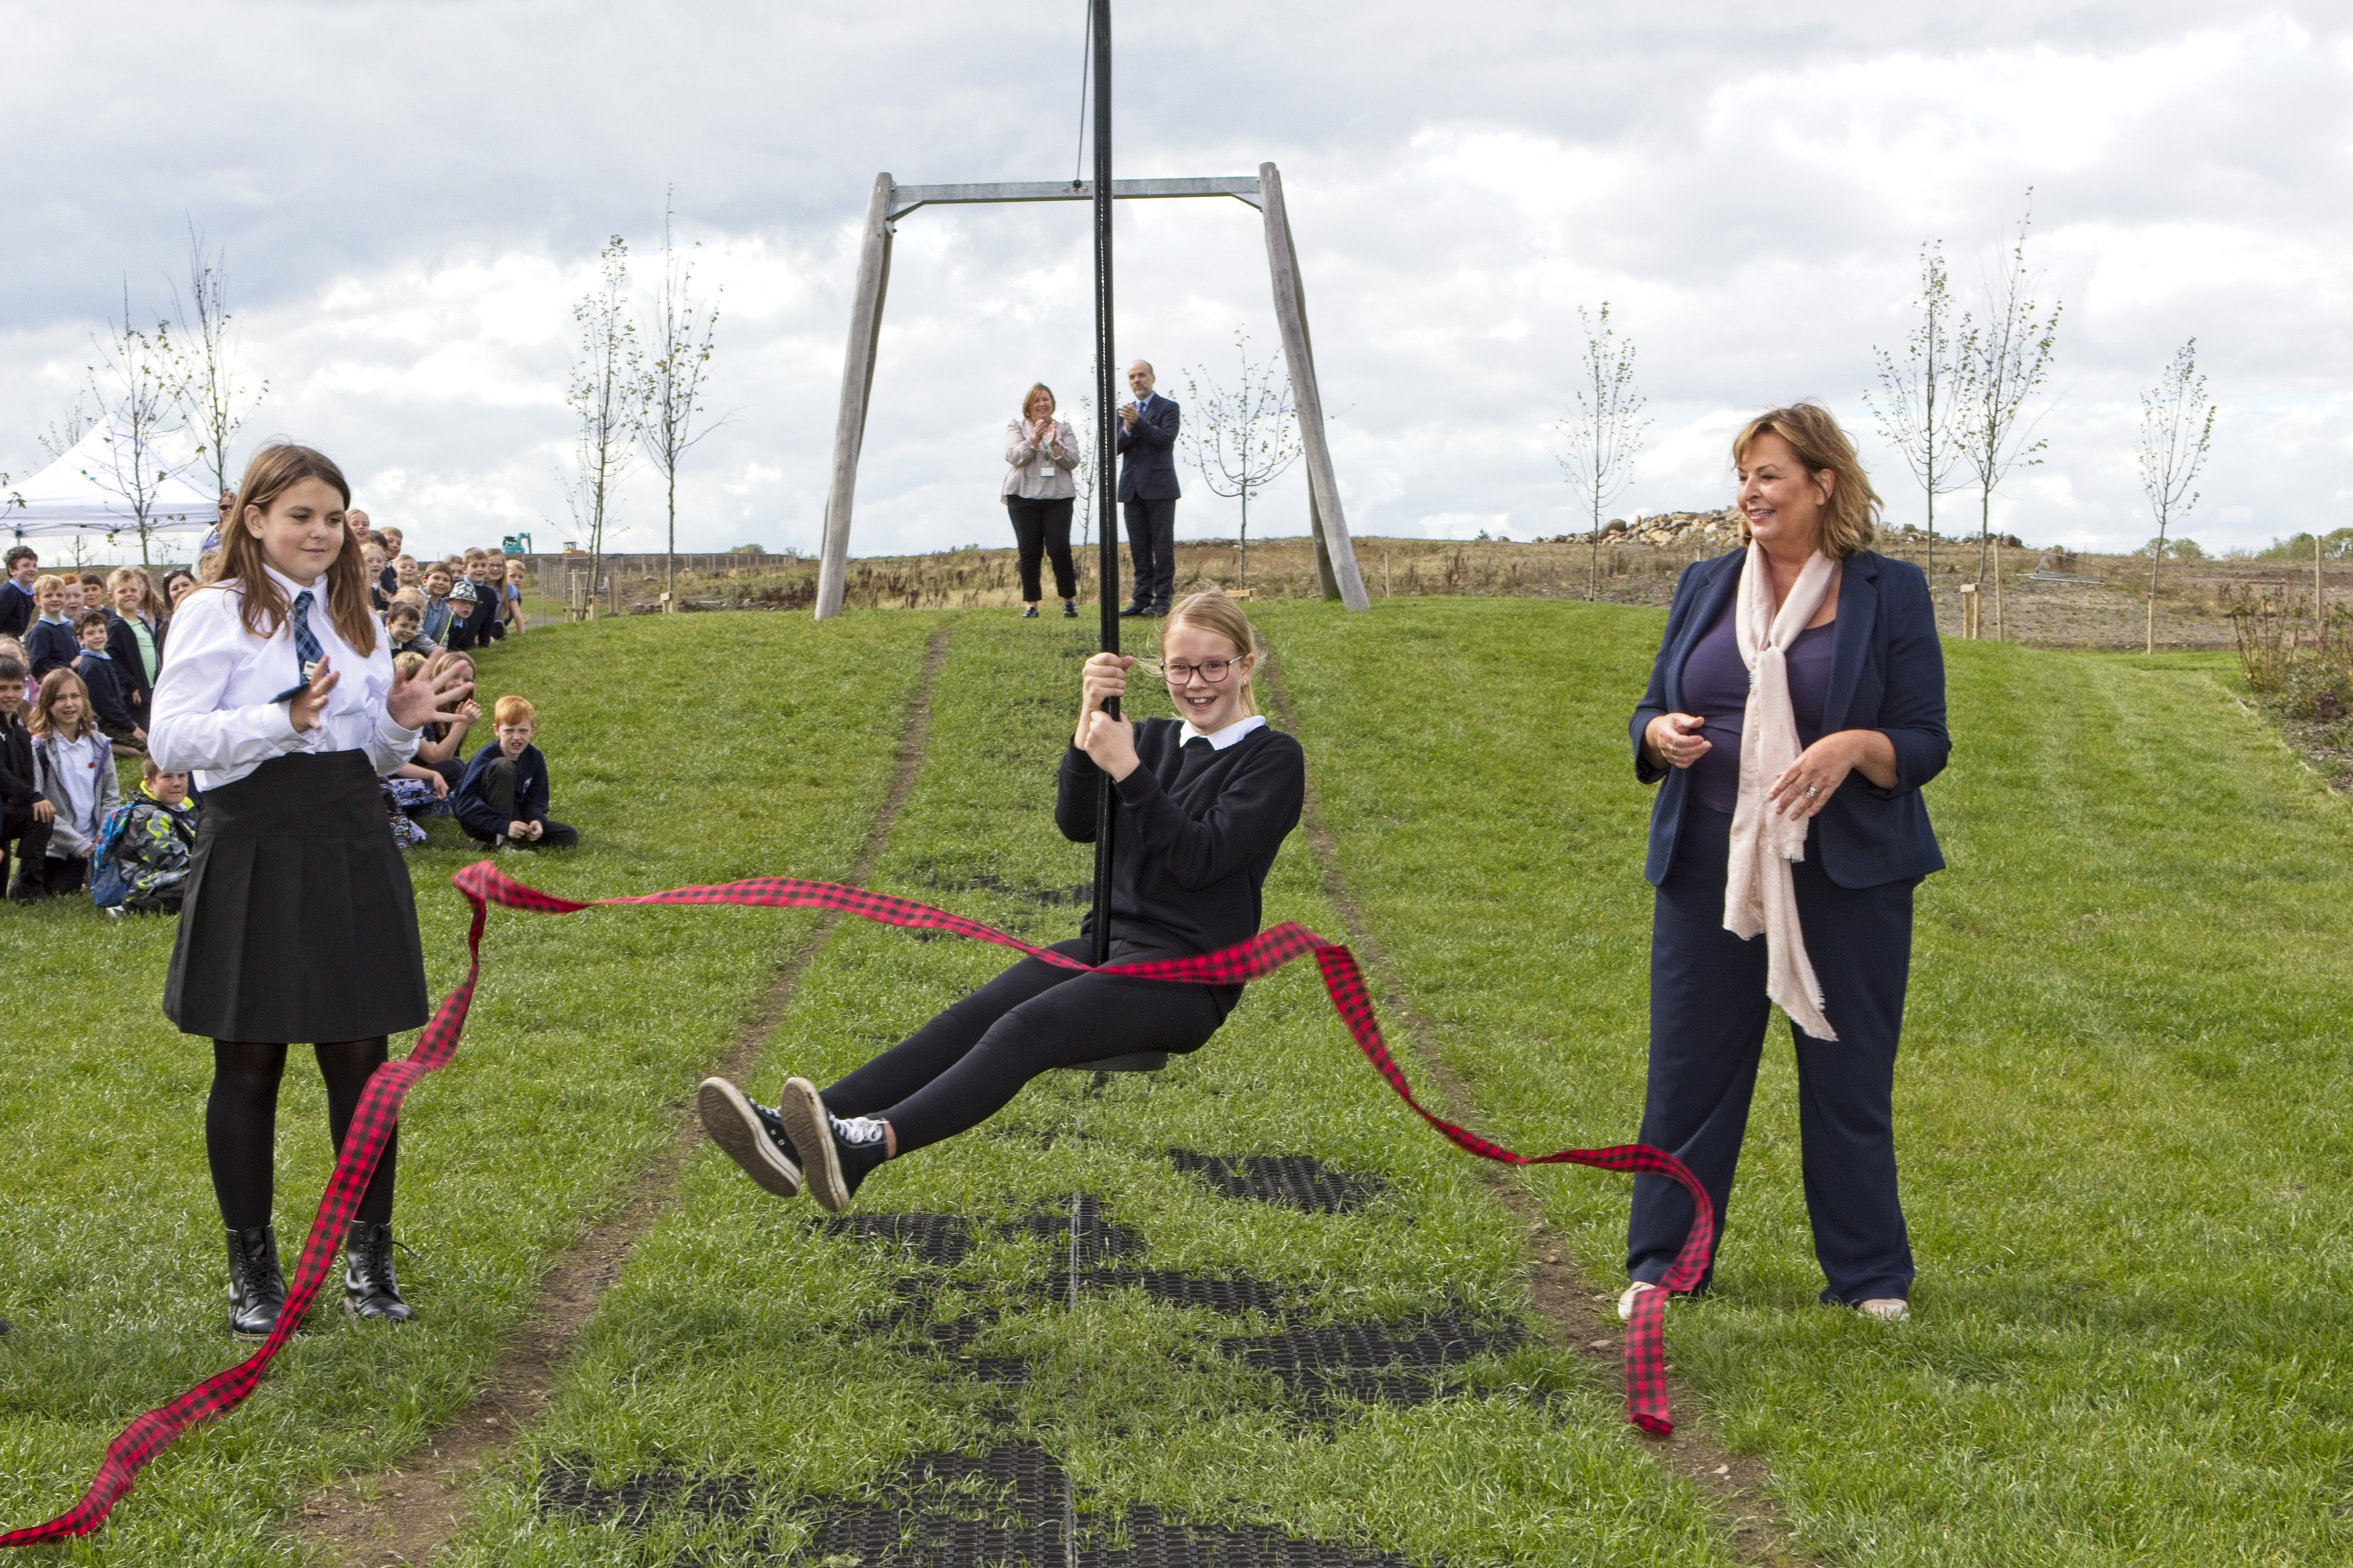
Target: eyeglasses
{"x": 1212, "y": 670}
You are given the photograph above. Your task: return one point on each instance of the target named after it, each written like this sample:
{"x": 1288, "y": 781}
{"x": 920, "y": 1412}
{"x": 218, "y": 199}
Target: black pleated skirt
{"x": 298, "y": 927}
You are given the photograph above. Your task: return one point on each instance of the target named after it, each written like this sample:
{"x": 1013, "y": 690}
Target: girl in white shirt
{"x": 278, "y": 693}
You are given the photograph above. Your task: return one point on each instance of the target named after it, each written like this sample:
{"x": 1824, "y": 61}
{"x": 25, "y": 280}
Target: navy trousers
{"x": 1708, "y": 1016}
{"x": 1151, "y": 548}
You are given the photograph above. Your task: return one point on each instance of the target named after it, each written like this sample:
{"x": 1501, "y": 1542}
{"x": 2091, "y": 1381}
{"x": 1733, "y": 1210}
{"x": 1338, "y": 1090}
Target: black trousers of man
{"x": 499, "y": 789}
{"x": 1708, "y": 1018}
{"x": 1151, "y": 545}
{"x": 1043, "y": 528}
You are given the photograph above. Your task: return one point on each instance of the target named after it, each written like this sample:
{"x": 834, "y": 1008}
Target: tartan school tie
{"x": 306, "y": 652}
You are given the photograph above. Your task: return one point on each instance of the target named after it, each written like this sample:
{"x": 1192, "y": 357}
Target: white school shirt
{"x": 1229, "y": 736}
{"x": 77, "y": 763}
{"x": 211, "y": 714}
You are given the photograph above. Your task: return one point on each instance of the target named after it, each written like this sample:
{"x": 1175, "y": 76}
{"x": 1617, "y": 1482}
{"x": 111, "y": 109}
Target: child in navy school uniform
{"x": 109, "y": 708}
{"x": 24, "y": 811}
{"x": 297, "y": 923}
{"x": 503, "y": 799}
{"x": 19, "y": 609}
{"x": 1201, "y": 805}
{"x": 51, "y": 643}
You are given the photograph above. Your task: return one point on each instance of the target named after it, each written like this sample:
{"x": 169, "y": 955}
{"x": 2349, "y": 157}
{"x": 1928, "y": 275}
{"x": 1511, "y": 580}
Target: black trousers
{"x": 30, "y": 840}
{"x": 499, "y": 789}
{"x": 52, "y": 876}
{"x": 1043, "y": 527}
{"x": 1708, "y": 1016}
{"x": 1151, "y": 545}
{"x": 967, "y": 1064}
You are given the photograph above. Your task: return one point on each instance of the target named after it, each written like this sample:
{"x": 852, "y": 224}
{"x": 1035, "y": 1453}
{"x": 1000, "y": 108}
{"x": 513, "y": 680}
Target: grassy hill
{"x": 2120, "y": 1112}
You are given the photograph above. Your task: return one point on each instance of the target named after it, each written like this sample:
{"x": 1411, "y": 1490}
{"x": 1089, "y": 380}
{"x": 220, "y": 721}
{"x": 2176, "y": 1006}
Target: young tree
{"x": 1603, "y": 437}
{"x": 2004, "y": 361}
{"x": 607, "y": 393}
{"x": 207, "y": 387}
{"x": 62, "y": 435}
{"x": 134, "y": 385}
{"x": 1915, "y": 403}
{"x": 1242, "y": 437}
{"x": 2177, "y": 425}
{"x": 681, "y": 332}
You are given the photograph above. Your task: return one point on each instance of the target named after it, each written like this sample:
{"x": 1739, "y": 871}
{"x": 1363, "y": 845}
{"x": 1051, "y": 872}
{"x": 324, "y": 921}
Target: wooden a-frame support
{"x": 1336, "y": 554}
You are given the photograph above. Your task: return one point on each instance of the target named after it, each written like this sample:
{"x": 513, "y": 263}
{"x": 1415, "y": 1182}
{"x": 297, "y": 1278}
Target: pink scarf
{"x": 1760, "y": 893}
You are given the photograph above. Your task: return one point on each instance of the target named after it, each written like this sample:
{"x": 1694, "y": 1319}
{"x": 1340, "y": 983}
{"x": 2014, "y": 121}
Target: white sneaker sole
{"x": 806, "y": 1124}
{"x": 1625, "y": 1301}
{"x": 735, "y": 1127}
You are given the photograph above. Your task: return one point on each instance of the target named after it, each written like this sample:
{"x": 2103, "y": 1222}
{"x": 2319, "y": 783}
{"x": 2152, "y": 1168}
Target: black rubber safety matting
{"x": 1011, "y": 1505}
{"x": 1410, "y": 1363}
{"x": 1295, "y": 1181}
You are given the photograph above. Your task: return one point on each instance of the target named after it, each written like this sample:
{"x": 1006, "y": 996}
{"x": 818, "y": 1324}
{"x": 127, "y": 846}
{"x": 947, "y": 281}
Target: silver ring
{"x": 1811, "y": 790}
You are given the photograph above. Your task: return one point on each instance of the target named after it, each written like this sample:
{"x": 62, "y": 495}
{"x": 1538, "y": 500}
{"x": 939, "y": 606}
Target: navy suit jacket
{"x": 1887, "y": 673}
{"x": 1148, "y": 460}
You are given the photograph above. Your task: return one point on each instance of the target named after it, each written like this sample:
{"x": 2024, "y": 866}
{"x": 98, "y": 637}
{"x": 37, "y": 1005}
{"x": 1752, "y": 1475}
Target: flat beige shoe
{"x": 1625, "y": 1301}
{"x": 1886, "y": 1309}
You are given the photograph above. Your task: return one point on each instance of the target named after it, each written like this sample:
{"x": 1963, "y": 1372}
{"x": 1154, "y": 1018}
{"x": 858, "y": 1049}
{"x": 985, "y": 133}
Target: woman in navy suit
{"x": 1795, "y": 710}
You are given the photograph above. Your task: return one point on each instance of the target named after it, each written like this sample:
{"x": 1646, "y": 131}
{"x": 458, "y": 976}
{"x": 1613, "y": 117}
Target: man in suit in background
{"x": 1147, "y": 487}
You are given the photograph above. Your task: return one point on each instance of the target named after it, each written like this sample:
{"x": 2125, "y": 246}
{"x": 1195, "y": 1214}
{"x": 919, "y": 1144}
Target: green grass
{"x": 114, "y": 1272}
{"x": 2121, "y": 1117}
{"x": 743, "y": 1341}
{"x": 2120, "y": 1111}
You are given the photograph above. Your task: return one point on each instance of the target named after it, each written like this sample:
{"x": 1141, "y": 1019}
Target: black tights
{"x": 241, "y": 1124}
{"x": 967, "y": 1064}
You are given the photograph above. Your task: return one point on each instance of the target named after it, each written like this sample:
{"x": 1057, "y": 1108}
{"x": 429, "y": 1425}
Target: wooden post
{"x": 1968, "y": 611}
{"x": 1336, "y": 554}
{"x": 2319, "y": 599}
{"x": 856, "y": 392}
{"x": 2000, "y": 630}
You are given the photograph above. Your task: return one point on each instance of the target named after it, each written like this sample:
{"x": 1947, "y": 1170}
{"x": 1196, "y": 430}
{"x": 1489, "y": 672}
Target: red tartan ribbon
{"x": 484, "y": 884}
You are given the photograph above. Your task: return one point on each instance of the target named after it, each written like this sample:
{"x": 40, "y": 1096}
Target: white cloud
{"x": 1748, "y": 193}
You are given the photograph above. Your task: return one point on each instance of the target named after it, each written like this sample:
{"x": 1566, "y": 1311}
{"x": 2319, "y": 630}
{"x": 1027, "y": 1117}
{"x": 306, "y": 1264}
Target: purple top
{"x": 1715, "y": 687}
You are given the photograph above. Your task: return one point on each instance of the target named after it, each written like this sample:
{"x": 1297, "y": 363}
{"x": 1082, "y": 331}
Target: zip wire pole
{"x": 1107, "y": 389}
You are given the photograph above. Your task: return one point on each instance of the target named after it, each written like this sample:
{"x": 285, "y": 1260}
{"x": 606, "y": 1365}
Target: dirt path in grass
{"x": 1585, "y": 1315}
{"x": 405, "y": 1515}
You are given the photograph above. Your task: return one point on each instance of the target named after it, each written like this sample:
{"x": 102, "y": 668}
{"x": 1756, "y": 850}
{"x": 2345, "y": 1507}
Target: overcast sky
{"x": 410, "y": 197}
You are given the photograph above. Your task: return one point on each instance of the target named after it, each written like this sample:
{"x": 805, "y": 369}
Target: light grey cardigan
{"x": 1034, "y": 475}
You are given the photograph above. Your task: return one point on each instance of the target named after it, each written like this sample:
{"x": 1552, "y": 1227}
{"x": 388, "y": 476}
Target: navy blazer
{"x": 1887, "y": 673}
{"x": 122, "y": 647}
{"x": 1147, "y": 462}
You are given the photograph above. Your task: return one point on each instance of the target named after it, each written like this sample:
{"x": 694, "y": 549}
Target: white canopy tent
{"x": 90, "y": 489}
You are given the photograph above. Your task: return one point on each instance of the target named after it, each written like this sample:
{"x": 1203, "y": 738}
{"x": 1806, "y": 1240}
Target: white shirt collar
{"x": 1231, "y": 735}
{"x": 290, "y": 588}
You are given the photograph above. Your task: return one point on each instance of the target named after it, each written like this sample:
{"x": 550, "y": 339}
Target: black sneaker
{"x": 1070, "y": 609}
{"x": 839, "y": 1153}
{"x": 752, "y": 1135}
{"x": 1028, "y": 611}
{"x": 1135, "y": 610}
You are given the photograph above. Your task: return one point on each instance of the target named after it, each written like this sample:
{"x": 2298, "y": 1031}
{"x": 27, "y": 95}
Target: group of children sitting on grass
{"x": 78, "y": 657}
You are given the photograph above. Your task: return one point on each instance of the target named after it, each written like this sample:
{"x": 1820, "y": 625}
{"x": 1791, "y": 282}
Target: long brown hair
{"x": 41, "y": 723}
{"x": 1821, "y": 446}
{"x": 274, "y": 470}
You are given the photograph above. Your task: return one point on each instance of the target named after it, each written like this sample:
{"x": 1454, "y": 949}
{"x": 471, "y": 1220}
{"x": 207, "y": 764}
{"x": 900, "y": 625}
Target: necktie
{"x": 306, "y": 652}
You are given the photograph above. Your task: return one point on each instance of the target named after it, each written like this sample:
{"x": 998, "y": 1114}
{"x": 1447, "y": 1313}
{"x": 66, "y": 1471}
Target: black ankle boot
{"x": 369, "y": 1288}
{"x": 256, "y": 1288}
